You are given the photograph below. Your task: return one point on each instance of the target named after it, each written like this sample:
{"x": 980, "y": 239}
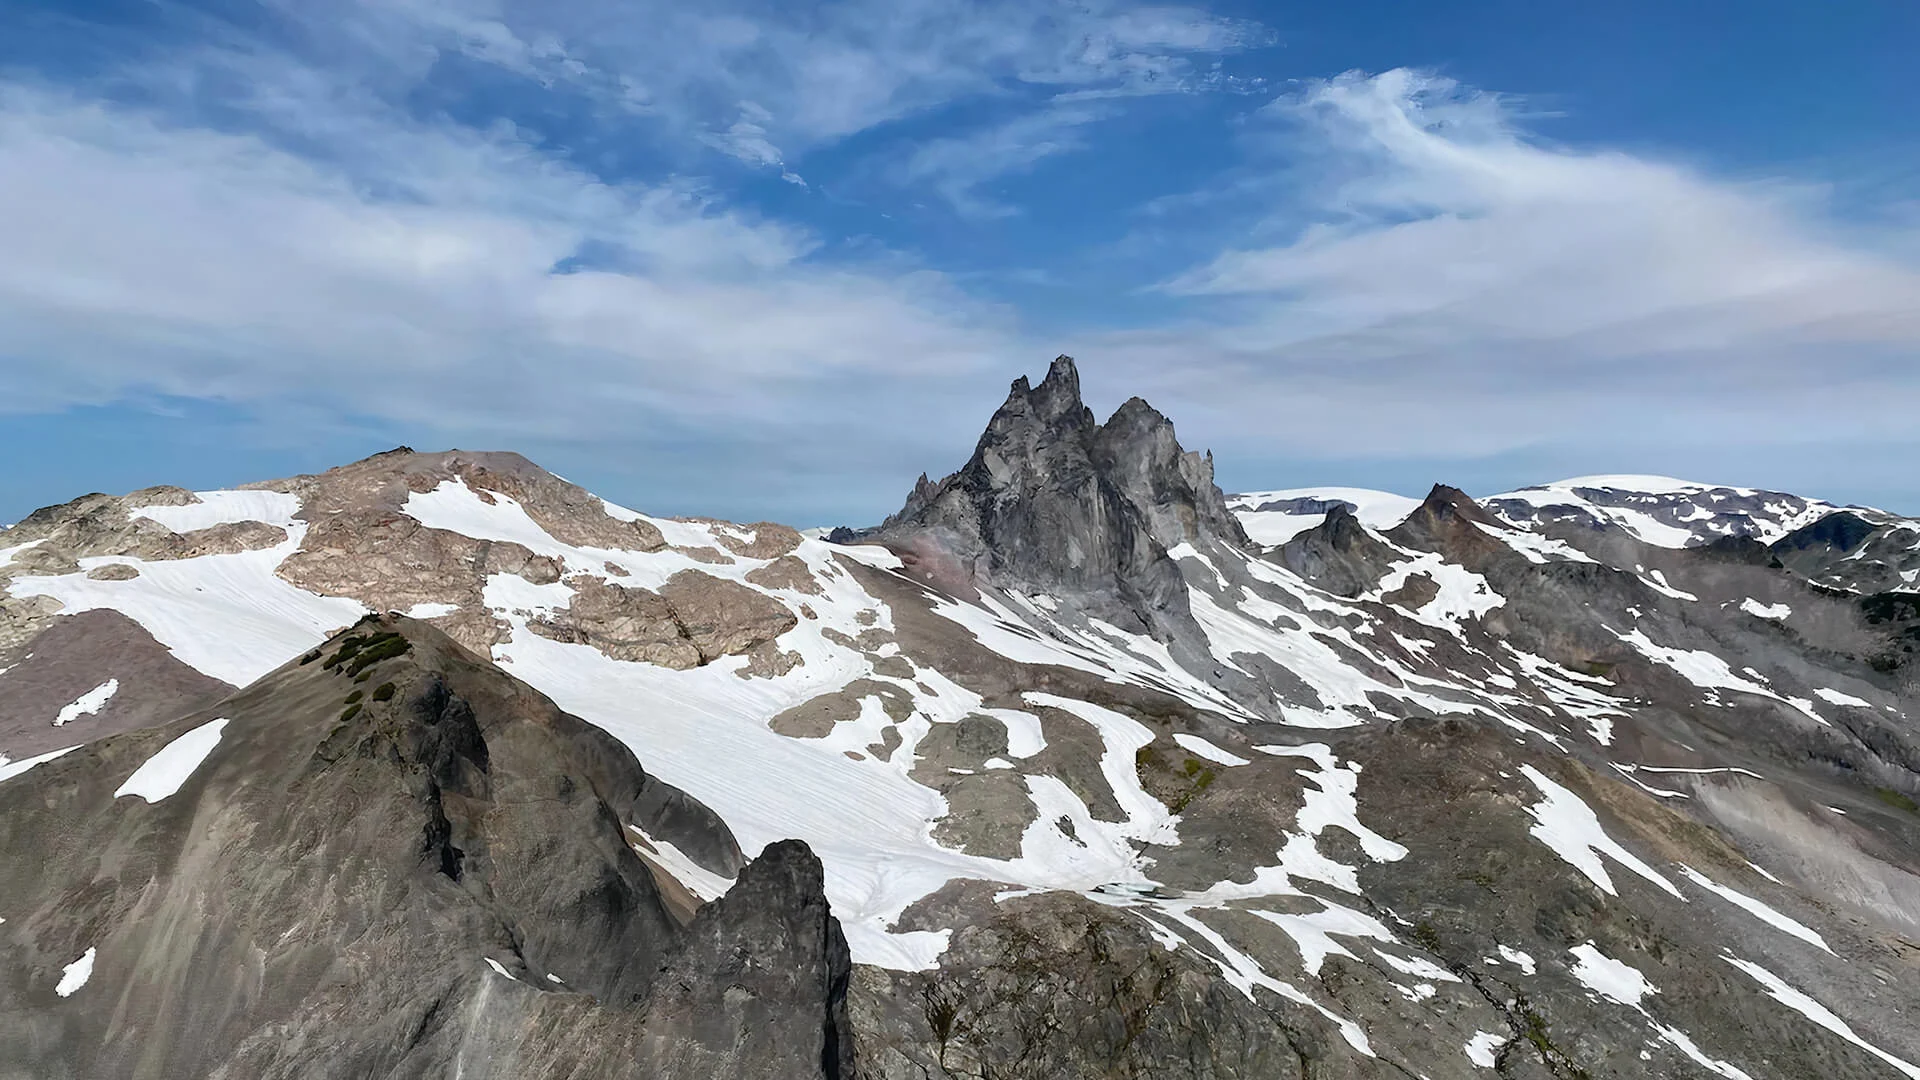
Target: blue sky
{"x": 774, "y": 259}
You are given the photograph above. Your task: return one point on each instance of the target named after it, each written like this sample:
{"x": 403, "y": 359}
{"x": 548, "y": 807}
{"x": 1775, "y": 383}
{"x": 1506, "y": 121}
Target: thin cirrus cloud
{"x": 765, "y": 83}
{"x": 146, "y": 255}
{"x": 1444, "y": 285}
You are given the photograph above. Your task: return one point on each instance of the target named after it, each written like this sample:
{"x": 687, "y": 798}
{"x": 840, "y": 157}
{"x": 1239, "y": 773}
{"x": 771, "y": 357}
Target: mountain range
{"x": 437, "y": 765}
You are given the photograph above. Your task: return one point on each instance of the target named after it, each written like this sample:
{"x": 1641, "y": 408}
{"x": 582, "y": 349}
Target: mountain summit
{"x": 1052, "y": 500}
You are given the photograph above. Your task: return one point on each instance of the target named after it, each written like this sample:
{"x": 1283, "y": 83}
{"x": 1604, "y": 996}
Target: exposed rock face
{"x": 1857, "y": 550}
{"x": 1052, "y": 500}
{"x": 1057, "y": 986}
{"x": 104, "y": 525}
{"x": 390, "y": 562}
{"x": 137, "y": 682}
{"x": 428, "y": 873}
{"x": 567, "y": 512}
{"x": 724, "y": 1003}
{"x": 624, "y": 623}
{"x": 722, "y": 618}
{"x": 1339, "y": 555}
{"x": 694, "y": 619}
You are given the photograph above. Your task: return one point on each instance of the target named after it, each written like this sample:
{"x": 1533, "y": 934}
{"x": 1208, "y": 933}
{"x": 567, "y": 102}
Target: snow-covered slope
{"x": 1355, "y": 784}
{"x": 1660, "y": 510}
{"x": 1275, "y": 517}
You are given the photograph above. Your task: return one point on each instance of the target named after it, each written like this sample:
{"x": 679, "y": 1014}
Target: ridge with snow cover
{"x": 1105, "y": 770}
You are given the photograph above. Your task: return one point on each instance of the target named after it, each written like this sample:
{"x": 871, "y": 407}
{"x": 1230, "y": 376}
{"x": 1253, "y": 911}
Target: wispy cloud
{"x": 1452, "y": 285}
{"x": 957, "y": 168}
{"x": 747, "y": 141}
{"x": 435, "y": 276}
{"x": 760, "y": 80}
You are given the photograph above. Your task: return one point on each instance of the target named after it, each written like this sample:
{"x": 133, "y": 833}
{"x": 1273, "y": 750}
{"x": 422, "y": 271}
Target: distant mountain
{"x": 1106, "y": 773}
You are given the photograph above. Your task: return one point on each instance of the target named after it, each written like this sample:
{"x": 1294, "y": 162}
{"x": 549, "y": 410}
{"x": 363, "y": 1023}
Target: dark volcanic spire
{"x": 1053, "y": 500}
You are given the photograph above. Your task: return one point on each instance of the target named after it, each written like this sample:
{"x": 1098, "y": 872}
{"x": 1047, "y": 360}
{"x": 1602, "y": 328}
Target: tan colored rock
{"x": 226, "y": 539}
{"x": 768, "y": 540}
{"x": 23, "y": 618}
{"x": 815, "y": 717}
{"x": 114, "y": 572}
{"x": 767, "y": 661}
{"x": 786, "y": 572}
{"x": 568, "y": 512}
{"x": 45, "y": 560}
{"x": 623, "y": 623}
{"x": 710, "y": 556}
{"x": 724, "y": 618}
{"x": 390, "y": 562}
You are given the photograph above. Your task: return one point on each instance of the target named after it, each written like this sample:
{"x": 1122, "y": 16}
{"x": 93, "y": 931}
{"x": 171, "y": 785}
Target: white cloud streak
{"x": 437, "y": 282}
{"x": 1449, "y": 286}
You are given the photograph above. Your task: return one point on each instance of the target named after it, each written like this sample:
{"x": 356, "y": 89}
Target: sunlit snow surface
{"x": 1481, "y": 1048}
{"x": 75, "y": 975}
{"x": 1758, "y": 909}
{"x": 1776, "y": 517}
{"x": 1611, "y": 979}
{"x": 10, "y": 769}
{"x": 87, "y": 704}
{"x": 1806, "y": 1006}
{"x": 1375, "y": 509}
{"x": 162, "y": 774}
{"x": 224, "y": 508}
{"x": 1565, "y": 823}
{"x": 228, "y": 616}
{"x": 705, "y": 730}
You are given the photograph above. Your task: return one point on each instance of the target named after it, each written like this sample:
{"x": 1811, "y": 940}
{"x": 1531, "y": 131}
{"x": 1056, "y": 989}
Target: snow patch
{"x": 164, "y": 773}
{"x": 1816, "y": 1012}
{"x": 87, "y": 704}
{"x": 75, "y": 975}
{"x": 1481, "y": 1048}
{"x": 1566, "y": 824}
{"x": 1764, "y": 611}
{"x": 224, "y": 508}
{"x": 10, "y": 769}
{"x": 1835, "y": 697}
{"x": 1756, "y": 908}
{"x": 1200, "y": 747}
{"x": 1518, "y": 959}
{"x": 1610, "y": 978}
{"x": 430, "y": 610}
{"x": 227, "y": 616}
{"x": 680, "y": 866}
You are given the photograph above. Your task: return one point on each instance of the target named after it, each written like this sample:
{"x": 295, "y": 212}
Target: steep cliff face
{"x": 389, "y": 858}
{"x": 1054, "y": 501}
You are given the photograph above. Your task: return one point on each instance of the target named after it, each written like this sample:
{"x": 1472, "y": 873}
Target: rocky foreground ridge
{"x": 436, "y": 764}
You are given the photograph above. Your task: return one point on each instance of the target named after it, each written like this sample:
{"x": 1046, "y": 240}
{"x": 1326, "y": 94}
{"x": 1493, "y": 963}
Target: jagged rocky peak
{"x": 1053, "y": 499}
{"x": 1448, "y": 520}
{"x": 1339, "y": 554}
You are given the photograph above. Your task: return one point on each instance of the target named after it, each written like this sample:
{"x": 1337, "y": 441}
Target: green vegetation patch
{"x": 383, "y": 692}
{"x": 358, "y": 653}
{"x": 350, "y": 712}
{"x": 1897, "y": 800}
